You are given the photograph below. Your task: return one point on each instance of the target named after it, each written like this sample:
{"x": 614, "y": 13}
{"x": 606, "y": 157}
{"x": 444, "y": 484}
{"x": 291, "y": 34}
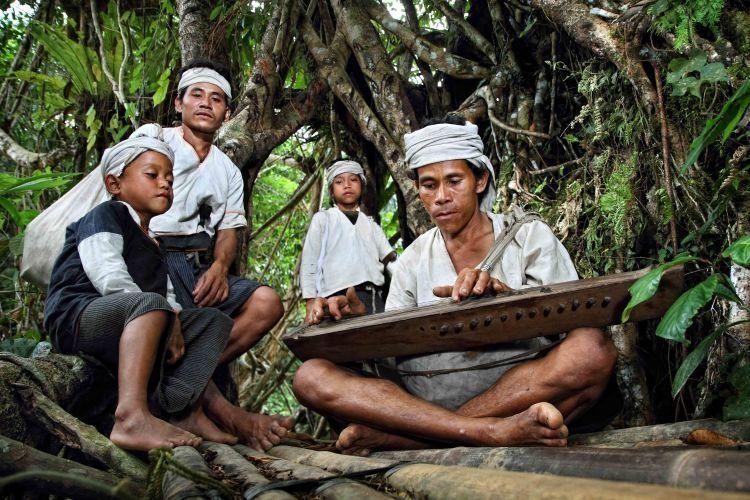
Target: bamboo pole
{"x": 235, "y": 467}
{"x": 738, "y": 430}
{"x": 436, "y": 482}
{"x": 711, "y": 469}
{"x": 332, "y": 462}
{"x": 332, "y": 486}
{"x": 180, "y": 486}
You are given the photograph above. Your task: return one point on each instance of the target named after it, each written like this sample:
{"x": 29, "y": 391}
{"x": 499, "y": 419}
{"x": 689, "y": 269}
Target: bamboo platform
{"x": 696, "y": 459}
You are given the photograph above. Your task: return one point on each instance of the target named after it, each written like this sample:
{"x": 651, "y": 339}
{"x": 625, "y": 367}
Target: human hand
{"x": 212, "y": 287}
{"x": 336, "y": 307}
{"x": 175, "y": 343}
{"x": 471, "y": 282}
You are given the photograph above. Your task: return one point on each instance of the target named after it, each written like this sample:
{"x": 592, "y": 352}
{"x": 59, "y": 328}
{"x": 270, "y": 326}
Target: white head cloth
{"x": 443, "y": 142}
{"x": 344, "y": 167}
{"x": 146, "y": 138}
{"x": 204, "y": 75}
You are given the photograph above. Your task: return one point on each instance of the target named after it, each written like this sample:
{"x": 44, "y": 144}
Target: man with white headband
{"x": 207, "y": 212}
{"x": 345, "y": 250}
{"x": 516, "y": 397}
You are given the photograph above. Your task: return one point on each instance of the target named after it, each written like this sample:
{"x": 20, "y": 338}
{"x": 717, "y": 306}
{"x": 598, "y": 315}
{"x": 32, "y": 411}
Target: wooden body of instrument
{"x": 522, "y": 314}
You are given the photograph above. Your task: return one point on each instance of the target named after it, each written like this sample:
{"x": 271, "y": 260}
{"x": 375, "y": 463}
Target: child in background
{"x": 345, "y": 251}
{"x": 110, "y": 297}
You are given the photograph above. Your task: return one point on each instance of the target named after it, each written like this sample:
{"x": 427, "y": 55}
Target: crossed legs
{"x": 516, "y": 410}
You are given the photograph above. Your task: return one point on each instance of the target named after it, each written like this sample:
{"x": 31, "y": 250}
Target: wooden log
{"x": 234, "y": 466}
{"x": 437, "y": 482}
{"x": 75, "y": 434}
{"x": 65, "y": 378}
{"x": 738, "y": 430}
{"x": 16, "y": 457}
{"x": 521, "y": 314}
{"x": 285, "y": 470}
{"x": 331, "y": 462}
{"x": 711, "y": 469}
{"x": 176, "y": 486}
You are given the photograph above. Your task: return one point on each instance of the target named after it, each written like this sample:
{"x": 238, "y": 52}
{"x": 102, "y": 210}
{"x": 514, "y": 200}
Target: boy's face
{"x": 347, "y": 190}
{"x": 450, "y": 191}
{"x": 203, "y": 107}
{"x": 145, "y": 185}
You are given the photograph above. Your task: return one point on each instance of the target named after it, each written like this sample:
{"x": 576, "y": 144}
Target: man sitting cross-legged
{"x": 525, "y": 402}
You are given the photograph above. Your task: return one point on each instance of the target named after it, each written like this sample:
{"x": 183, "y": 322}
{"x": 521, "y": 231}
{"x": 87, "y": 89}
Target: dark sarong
{"x": 187, "y": 261}
{"x": 173, "y": 387}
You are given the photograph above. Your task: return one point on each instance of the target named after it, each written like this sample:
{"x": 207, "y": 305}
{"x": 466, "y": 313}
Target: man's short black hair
{"x": 206, "y": 63}
{"x": 450, "y": 119}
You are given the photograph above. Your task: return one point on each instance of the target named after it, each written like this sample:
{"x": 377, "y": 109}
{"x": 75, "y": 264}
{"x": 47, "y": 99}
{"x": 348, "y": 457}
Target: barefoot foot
{"x": 260, "y": 432}
{"x": 199, "y": 424}
{"x": 540, "y": 424}
{"x": 360, "y": 440}
{"x": 139, "y": 430}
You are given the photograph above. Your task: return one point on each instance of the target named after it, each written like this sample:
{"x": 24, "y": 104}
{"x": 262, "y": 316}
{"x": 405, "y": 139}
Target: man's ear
{"x": 227, "y": 114}
{"x": 113, "y": 184}
{"x": 178, "y": 104}
{"x": 482, "y": 181}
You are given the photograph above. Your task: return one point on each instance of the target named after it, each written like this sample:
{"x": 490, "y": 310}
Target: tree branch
{"x": 370, "y": 126}
{"x": 470, "y": 31}
{"x": 598, "y": 36}
{"x": 26, "y": 158}
{"x": 193, "y": 28}
{"x": 435, "y": 56}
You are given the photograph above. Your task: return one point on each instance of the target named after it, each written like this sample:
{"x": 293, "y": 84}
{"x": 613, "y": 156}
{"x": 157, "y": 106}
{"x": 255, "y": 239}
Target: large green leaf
{"x": 645, "y": 287}
{"x": 739, "y": 251}
{"x": 680, "y": 314}
{"x": 77, "y": 59}
{"x": 721, "y": 125}
{"x": 692, "y": 361}
{"x": 10, "y": 207}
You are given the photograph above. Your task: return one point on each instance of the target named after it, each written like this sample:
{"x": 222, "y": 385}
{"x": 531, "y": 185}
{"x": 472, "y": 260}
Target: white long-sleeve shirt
{"x": 535, "y": 257}
{"x": 338, "y": 254}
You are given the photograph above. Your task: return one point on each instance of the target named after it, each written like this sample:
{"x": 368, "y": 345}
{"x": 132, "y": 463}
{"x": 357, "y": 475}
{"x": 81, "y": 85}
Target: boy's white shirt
{"x": 352, "y": 253}
{"x": 102, "y": 261}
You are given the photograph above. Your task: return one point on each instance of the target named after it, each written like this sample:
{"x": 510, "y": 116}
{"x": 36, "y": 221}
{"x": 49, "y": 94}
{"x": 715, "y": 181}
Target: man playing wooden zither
{"x": 524, "y": 401}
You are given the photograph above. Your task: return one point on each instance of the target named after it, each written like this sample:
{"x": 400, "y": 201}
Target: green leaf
{"x": 161, "y": 91}
{"x": 737, "y": 406}
{"x": 722, "y": 124}
{"x": 645, "y": 287}
{"x": 215, "y": 12}
{"x": 739, "y": 251}
{"x": 10, "y": 207}
{"x": 692, "y": 361}
{"x": 714, "y": 72}
{"x": 77, "y": 59}
{"x": 680, "y": 315}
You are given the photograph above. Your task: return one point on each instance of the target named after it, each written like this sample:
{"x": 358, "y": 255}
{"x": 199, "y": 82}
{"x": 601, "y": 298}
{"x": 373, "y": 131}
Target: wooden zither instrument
{"x": 517, "y": 315}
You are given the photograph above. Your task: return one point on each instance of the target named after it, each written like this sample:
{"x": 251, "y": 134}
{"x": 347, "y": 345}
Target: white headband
{"x": 344, "y": 167}
{"x": 146, "y": 138}
{"x": 444, "y": 142}
{"x": 204, "y": 75}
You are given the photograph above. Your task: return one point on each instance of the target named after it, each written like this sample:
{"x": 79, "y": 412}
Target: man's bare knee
{"x": 265, "y": 303}
{"x": 590, "y": 355}
{"x": 311, "y": 382}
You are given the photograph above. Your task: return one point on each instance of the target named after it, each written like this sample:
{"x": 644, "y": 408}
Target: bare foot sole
{"x": 142, "y": 431}
{"x": 261, "y": 432}
{"x": 360, "y": 440}
{"x": 198, "y": 423}
{"x": 541, "y": 424}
